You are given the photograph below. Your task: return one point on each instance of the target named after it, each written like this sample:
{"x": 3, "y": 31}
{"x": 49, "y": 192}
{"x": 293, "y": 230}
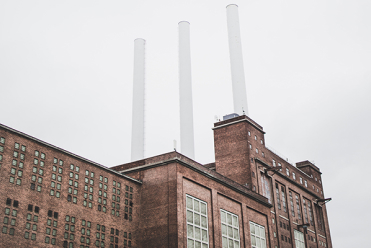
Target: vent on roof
{"x": 230, "y": 116}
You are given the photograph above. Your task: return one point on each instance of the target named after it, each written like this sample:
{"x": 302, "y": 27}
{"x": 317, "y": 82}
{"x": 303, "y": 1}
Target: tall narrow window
{"x": 230, "y": 229}
{"x": 292, "y": 204}
{"x": 319, "y": 215}
{"x": 197, "y": 226}
{"x": 298, "y": 206}
{"x": 299, "y": 239}
{"x": 283, "y": 199}
{"x": 257, "y": 233}
{"x": 278, "y": 197}
{"x": 305, "y": 211}
{"x": 310, "y": 212}
{"x": 266, "y": 187}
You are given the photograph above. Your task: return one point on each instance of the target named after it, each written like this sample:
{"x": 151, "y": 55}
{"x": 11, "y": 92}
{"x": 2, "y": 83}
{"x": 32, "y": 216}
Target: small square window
{"x": 77, "y": 169}
{"x": 36, "y": 153}
{"x": 43, "y": 155}
{"x": 15, "y": 154}
{"x": 55, "y": 161}
{"x": 11, "y": 179}
{"x": 23, "y": 148}
{"x": 72, "y": 167}
{"x": 16, "y": 145}
{"x": 61, "y": 162}
{"x": 2, "y": 140}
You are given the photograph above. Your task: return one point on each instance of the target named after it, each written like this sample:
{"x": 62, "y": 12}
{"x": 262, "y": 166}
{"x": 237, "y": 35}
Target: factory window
{"x": 299, "y": 239}
{"x": 230, "y": 229}
{"x": 257, "y": 233}
{"x": 283, "y": 199}
{"x": 278, "y": 197}
{"x": 292, "y": 204}
{"x": 197, "y": 226}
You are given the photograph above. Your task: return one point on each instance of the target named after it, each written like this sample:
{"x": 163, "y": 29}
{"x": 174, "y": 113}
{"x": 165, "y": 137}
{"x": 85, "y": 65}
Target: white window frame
{"x": 287, "y": 172}
{"x": 228, "y": 227}
{"x": 192, "y": 224}
{"x": 257, "y": 236}
{"x": 294, "y": 176}
{"x": 299, "y": 239}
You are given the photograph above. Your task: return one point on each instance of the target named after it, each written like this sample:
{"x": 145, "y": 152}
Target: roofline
{"x": 238, "y": 121}
{"x": 204, "y": 173}
{"x": 67, "y": 152}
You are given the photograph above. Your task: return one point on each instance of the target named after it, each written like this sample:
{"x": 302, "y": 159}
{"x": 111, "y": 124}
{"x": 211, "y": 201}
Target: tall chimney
{"x": 185, "y": 91}
{"x": 137, "y": 134}
{"x": 237, "y": 68}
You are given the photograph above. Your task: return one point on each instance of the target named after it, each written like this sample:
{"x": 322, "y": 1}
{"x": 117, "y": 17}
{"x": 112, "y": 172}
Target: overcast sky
{"x": 66, "y": 70}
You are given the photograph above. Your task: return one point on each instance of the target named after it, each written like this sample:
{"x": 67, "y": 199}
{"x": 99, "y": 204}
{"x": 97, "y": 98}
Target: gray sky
{"x": 66, "y": 71}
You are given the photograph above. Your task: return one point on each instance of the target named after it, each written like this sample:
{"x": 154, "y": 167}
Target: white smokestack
{"x": 185, "y": 91}
{"x": 137, "y": 135}
{"x": 237, "y": 69}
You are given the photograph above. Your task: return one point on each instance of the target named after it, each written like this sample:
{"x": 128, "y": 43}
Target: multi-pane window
{"x": 127, "y": 239}
{"x": 114, "y": 238}
{"x": 319, "y": 215}
{"x": 257, "y": 233}
{"x": 299, "y": 239}
{"x": 197, "y": 226}
{"x": 305, "y": 211}
{"x": 51, "y": 228}
{"x": 292, "y": 204}
{"x": 278, "y": 197}
{"x": 85, "y": 232}
{"x": 100, "y": 235}
{"x": 298, "y": 206}
{"x": 283, "y": 199}
{"x": 69, "y": 228}
{"x": 230, "y": 229}
{"x": 309, "y": 204}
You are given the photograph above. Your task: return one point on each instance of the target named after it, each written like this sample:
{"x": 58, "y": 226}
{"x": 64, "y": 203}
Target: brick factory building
{"x": 250, "y": 197}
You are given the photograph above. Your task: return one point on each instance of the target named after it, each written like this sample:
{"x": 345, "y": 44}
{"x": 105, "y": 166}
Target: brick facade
{"x": 160, "y": 201}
